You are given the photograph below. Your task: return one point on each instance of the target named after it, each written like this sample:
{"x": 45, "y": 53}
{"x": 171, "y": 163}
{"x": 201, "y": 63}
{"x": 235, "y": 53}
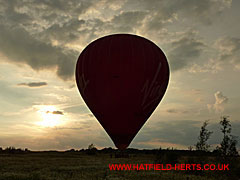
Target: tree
{"x": 91, "y": 150}
{"x": 91, "y": 146}
{"x": 229, "y": 143}
{"x": 203, "y": 138}
{"x": 190, "y": 148}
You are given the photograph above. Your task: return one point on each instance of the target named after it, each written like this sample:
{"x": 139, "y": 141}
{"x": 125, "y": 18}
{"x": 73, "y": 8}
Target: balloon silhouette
{"x": 122, "y": 78}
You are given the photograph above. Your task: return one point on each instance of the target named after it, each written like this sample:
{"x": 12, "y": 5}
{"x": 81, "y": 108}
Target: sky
{"x": 41, "y": 40}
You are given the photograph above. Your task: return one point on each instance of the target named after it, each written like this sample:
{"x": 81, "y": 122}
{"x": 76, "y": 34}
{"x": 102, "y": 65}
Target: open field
{"x": 84, "y": 165}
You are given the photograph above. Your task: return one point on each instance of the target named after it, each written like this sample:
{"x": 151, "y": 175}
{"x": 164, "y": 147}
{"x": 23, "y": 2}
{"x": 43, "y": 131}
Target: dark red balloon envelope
{"x": 122, "y": 78}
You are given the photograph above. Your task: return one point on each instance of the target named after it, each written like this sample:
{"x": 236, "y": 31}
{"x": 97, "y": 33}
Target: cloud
{"x": 163, "y": 12}
{"x": 65, "y": 32}
{"x": 220, "y": 102}
{"x": 45, "y": 34}
{"x": 211, "y": 65}
{"x": 90, "y": 115}
{"x": 21, "y": 41}
{"x": 182, "y": 132}
{"x": 229, "y": 50}
{"x": 57, "y": 112}
{"x": 21, "y": 47}
{"x": 178, "y": 133}
{"x": 176, "y": 111}
{"x": 158, "y": 143}
{"x": 127, "y": 21}
{"x": 185, "y": 51}
{"x": 201, "y": 11}
{"x": 228, "y": 53}
{"x": 49, "y": 12}
{"x": 33, "y": 84}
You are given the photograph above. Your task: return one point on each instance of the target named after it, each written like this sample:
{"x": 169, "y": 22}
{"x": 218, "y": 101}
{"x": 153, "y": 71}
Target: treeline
{"x": 12, "y": 149}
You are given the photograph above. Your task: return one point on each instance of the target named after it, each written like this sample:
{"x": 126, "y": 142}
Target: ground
{"x": 92, "y": 165}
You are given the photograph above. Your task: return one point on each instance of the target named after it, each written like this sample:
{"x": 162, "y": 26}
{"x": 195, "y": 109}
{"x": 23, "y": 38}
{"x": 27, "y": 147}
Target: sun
{"x": 49, "y": 116}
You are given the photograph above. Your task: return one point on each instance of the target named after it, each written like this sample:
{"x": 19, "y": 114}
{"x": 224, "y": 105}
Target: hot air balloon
{"x": 122, "y": 78}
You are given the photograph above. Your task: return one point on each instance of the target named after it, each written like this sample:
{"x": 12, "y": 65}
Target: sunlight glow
{"x": 49, "y": 118}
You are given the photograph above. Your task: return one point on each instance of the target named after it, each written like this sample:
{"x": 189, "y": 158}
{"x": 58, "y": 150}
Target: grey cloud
{"x": 57, "y": 112}
{"x": 87, "y": 30}
{"x": 128, "y": 21}
{"x": 185, "y": 51}
{"x": 33, "y": 84}
{"x": 161, "y": 11}
{"x": 47, "y": 9}
{"x": 25, "y": 37}
{"x": 229, "y": 49}
{"x": 10, "y": 13}
{"x": 20, "y": 47}
{"x": 176, "y": 111}
{"x": 90, "y": 115}
{"x": 183, "y": 132}
{"x": 72, "y": 86}
{"x": 203, "y": 11}
{"x": 64, "y": 33}
{"x": 28, "y": 28}
{"x": 217, "y": 134}
{"x": 65, "y": 6}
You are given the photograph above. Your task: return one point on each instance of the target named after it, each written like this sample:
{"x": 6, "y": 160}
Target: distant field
{"x": 80, "y": 165}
